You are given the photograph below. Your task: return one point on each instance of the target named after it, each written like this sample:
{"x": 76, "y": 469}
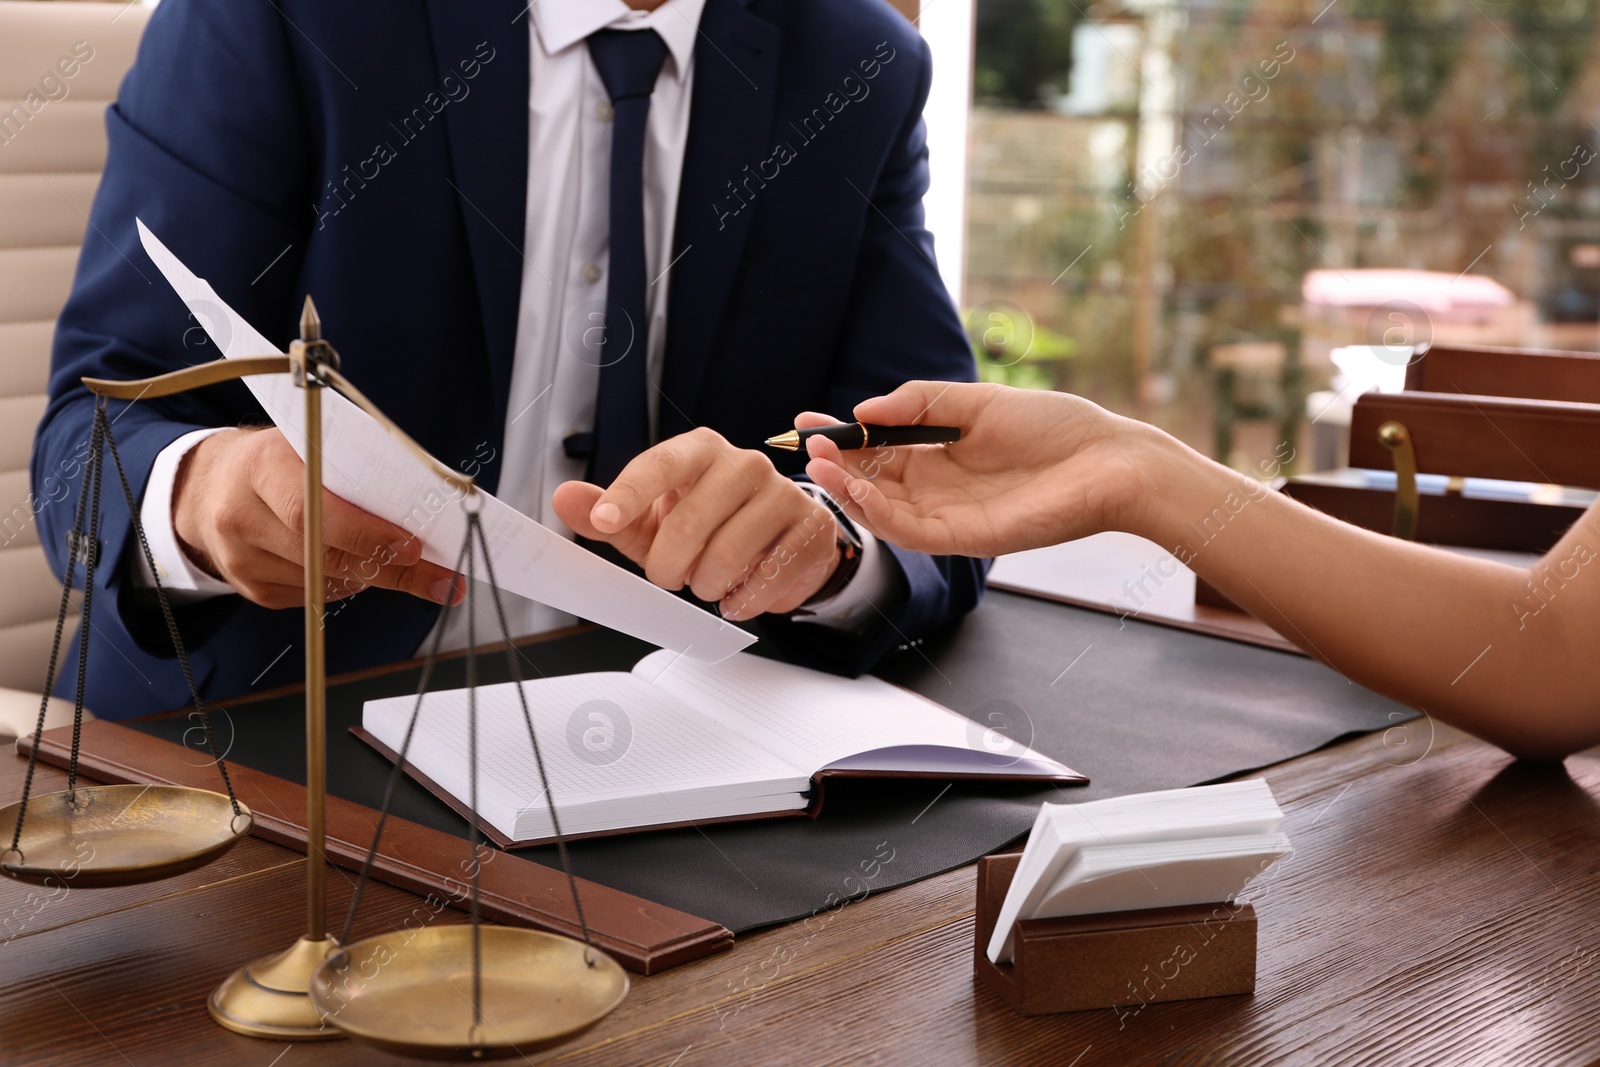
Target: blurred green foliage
{"x": 1422, "y": 43}
{"x": 1033, "y": 357}
{"x": 1553, "y": 37}
{"x": 1023, "y": 51}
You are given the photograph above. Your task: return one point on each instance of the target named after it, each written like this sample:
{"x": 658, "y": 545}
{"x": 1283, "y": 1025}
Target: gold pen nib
{"x": 789, "y": 442}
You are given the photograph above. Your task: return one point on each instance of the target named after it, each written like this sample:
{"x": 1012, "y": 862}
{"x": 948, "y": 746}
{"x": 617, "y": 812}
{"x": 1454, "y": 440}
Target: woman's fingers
{"x": 932, "y": 403}
{"x": 835, "y": 479}
{"x": 864, "y": 502}
{"x": 904, "y": 523}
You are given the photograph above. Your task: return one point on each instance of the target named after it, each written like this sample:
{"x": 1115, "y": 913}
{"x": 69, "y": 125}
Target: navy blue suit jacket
{"x": 374, "y": 154}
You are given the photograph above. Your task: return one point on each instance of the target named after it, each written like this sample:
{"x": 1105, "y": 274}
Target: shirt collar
{"x": 562, "y": 24}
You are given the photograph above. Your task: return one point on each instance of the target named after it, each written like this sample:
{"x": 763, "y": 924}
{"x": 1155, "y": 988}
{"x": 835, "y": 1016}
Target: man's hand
{"x": 1032, "y": 468}
{"x": 238, "y": 510}
{"x": 696, "y": 511}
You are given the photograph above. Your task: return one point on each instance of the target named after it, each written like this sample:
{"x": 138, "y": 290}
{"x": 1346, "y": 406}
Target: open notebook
{"x": 677, "y": 741}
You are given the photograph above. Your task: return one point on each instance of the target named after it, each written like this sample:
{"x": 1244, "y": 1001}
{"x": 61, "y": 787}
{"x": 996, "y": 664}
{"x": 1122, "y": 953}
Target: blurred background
{"x": 1194, "y": 211}
{"x": 1186, "y": 210}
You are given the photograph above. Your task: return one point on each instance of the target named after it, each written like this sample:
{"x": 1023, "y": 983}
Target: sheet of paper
{"x": 813, "y": 719}
{"x": 363, "y": 464}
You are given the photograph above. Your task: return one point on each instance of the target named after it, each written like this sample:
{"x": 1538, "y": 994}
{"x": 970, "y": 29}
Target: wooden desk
{"x": 1436, "y": 910}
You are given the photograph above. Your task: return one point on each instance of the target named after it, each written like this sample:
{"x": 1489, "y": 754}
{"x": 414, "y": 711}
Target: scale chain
{"x": 472, "y": 764}
{"x": 97, "y": 463}
{"x": 466, "y": 564}
{"x": 533, "y": 738}
{"x": 84, "y": 543}
{"x": 395, "y": 772}
{"x": 206, "y": 726}
{"x": 74, "y": 543}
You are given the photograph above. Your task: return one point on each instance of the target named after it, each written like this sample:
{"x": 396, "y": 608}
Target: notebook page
{"x": 806, "y": 717}
{"x": 605, "y": 738}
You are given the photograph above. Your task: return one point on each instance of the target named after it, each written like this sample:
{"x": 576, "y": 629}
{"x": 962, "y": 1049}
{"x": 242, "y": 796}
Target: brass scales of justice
{"x": 444, "y": 992}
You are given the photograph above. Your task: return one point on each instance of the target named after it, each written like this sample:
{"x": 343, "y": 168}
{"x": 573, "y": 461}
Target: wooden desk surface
{"x": 1436, "y": 910}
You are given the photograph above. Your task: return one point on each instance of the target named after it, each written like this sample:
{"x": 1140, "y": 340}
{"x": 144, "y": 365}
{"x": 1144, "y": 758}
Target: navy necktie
{"x": 628, "y": 62}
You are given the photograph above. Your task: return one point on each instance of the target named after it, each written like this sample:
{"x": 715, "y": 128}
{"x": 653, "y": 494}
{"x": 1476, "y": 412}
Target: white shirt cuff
{"x": 856, "y": 605}
{"x": 183, "y": 581}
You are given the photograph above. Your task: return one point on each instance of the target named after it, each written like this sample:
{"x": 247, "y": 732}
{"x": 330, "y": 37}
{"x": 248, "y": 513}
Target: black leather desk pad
{"x": 1132, "y": 705}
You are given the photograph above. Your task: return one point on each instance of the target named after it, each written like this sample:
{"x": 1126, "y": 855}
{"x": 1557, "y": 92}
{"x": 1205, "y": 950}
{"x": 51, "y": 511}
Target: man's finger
{"x": 425, "y": 580}
{"x": 280, "y": 483}
{"x": 252, "y": 570}
{"x": 811, "y": 571}
{"x": 735, "y": 548}
{"x": 672, "y": 464}
{"x": 720, "y": 495}
{"x": 573, "y": 502}
{"x": 361, "y": 533}
{"x": 794, "y": 569}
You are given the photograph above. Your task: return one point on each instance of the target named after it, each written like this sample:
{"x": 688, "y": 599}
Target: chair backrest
{"x": 1461, "y": 435}
{"x": 1481, "y": 370}
{"x": 60, "y": 65}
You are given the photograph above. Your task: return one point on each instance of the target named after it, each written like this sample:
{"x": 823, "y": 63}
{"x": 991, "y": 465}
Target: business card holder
{"x": 1123, "y": 959}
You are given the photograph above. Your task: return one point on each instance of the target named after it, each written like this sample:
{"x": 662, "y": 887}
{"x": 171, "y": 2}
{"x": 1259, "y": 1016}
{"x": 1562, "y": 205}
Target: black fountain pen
{"x": 855, "y": 435}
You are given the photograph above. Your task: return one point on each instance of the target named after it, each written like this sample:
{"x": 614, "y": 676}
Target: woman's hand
{"x": 1407, "y": 620}
{"x": 1031, "y": 469}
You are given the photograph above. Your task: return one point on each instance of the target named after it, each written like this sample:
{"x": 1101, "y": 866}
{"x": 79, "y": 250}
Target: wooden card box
{"x": 1117, "y": 958}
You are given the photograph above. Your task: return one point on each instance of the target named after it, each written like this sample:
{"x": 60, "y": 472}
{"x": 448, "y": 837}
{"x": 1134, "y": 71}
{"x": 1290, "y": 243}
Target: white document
{"x": 364, "y": 465}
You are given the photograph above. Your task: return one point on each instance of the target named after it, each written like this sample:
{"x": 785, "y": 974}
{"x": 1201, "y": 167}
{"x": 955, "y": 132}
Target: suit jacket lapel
{"x": 730, "y": 128}
{"x": 488, "y": 135}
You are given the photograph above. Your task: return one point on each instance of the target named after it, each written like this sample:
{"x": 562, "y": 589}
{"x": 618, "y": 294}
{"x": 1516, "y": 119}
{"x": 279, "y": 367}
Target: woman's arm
{"x": 1510, "y": 654}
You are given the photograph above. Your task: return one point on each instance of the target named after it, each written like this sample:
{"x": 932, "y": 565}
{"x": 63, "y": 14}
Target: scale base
{"x": 270, "y": 997}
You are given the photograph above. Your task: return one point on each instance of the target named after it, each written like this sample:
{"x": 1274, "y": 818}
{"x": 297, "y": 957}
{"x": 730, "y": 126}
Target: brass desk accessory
{"x": 111, "y": 835}
{"x": 528, "y": 989}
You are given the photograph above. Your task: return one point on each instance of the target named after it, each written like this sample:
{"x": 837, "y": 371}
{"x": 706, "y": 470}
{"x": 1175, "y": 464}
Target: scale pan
{"x": 110, "y": 835}
{"x": 410, "y": 992}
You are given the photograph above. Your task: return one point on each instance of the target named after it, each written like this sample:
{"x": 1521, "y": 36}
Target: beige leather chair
{"x": 60, "y": 65}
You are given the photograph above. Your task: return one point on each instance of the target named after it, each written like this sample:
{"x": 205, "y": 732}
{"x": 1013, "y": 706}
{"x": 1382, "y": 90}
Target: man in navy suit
{"x": 592, "y": 286}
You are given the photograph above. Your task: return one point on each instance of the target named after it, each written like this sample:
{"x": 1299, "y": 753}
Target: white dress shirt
{"x": 554, "y": 380}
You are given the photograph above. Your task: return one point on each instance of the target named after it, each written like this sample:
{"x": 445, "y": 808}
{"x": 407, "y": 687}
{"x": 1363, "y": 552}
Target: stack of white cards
{"x": 1149, "y": 850}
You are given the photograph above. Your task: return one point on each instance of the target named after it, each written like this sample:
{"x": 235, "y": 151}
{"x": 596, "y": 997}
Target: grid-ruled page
{"x": 605, "y": 738}
{"x": 806, "y": 716}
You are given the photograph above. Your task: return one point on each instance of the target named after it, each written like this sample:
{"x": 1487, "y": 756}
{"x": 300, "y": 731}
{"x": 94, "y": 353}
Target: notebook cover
{"x": 644, "y": 936}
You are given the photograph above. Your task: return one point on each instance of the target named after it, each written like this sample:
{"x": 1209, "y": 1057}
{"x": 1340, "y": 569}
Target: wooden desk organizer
{"x": 1117, "y": 958}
